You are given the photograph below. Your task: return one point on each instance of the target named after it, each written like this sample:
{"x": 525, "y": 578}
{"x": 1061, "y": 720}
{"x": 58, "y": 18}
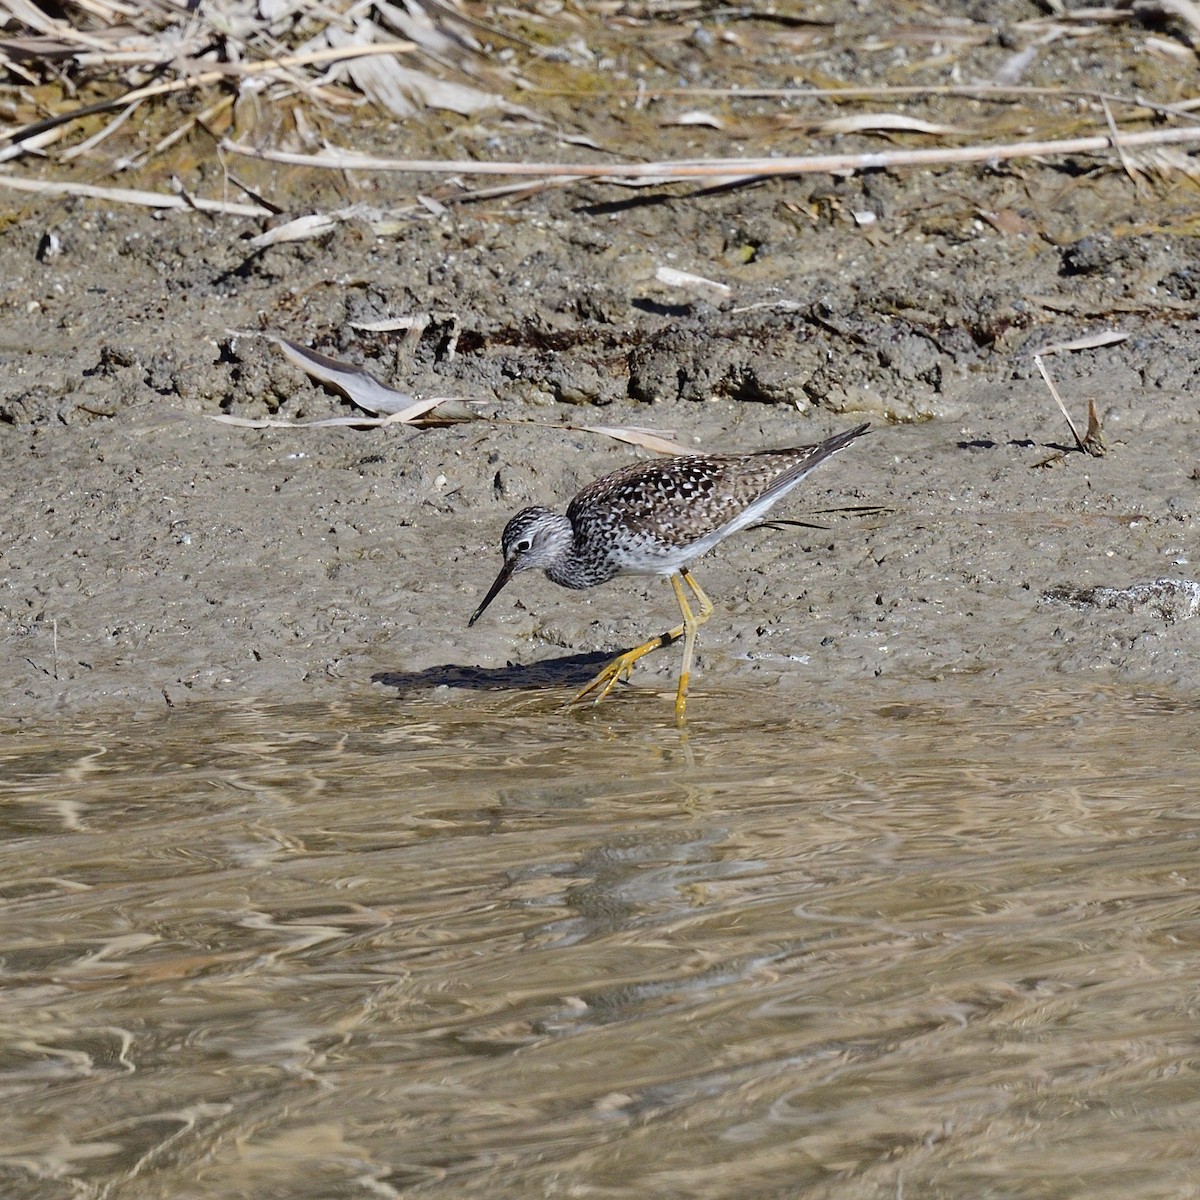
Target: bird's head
{"x": 534, "y": 538}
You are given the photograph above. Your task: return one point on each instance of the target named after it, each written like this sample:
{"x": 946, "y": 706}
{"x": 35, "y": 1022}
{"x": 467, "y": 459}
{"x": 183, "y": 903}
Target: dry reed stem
{"x": 986, "y": 91}
{"x": 671, "y": 170}
{"x": 50, "y": 187}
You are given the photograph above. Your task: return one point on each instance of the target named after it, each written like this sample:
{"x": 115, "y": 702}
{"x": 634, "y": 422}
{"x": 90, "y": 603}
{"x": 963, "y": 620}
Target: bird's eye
{"x": 523, "y": 545}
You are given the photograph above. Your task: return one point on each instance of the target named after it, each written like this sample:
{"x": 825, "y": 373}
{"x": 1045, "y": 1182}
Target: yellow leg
{"x": 691, "y": 622}
{"x": 621, "y": 667}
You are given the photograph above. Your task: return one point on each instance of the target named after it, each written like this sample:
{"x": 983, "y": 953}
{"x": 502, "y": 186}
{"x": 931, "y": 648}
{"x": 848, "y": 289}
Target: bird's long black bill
{"x": 501, "y": 579}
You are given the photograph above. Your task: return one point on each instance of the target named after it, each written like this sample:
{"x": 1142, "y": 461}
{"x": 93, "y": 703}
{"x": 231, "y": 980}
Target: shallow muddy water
{"x": 886, "y": 946}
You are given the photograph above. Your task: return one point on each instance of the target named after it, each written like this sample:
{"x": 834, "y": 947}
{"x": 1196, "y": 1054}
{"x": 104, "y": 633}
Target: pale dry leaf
{"x": 391, "y": 324}
{"x": 1013, "y": 67}
{"x": 635, "y": 435}
{"x": 1107, "y": 337}
{"x": 362, "y": 388}
{"x": 695, "y": 117}
{"x": 358, "y": 386}
{"x": 883, "y": 123}
{"x": 685, "y": 279}
{"x": 580, "y": 139}
{"x": 442, "y": 93}
{"x": 299, "y": 230}
{"x": 1011, "y": 70}
{"x": 1006, "y": 221}
{"x": 434, "y": 207}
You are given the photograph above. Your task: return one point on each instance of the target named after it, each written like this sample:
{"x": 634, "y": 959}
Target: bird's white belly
{"x": 645, "y": 556}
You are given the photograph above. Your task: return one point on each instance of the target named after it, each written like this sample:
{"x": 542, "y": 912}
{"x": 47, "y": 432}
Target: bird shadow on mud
{"x": 568, "y": 670}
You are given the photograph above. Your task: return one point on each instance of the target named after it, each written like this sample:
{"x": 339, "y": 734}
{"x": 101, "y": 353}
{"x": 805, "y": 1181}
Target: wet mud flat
{"x": 151, "y": 556}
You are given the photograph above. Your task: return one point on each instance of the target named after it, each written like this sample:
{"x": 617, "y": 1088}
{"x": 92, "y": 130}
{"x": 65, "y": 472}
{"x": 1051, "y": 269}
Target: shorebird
{"x": 655, "y": 518}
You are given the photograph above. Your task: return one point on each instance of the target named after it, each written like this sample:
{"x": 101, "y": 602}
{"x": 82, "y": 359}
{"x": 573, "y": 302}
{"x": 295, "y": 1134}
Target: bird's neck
{"x": 578, "y": 566}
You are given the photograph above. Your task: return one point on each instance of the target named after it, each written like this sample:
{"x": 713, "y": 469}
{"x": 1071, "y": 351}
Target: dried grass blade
{"x": 166, "y": 142}
{"x": 1119, "y": 147}
{"x": 1058, "y": 400}
{"x": 99, "y": 136}
{"x": 1166, "y": 161}
{"x": 357, "y": 422}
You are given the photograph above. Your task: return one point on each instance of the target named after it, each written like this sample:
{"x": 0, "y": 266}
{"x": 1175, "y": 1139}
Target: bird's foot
{"x": 621, "y": 668}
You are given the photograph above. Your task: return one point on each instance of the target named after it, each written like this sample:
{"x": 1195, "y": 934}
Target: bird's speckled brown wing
{"x": 679, "y": 501}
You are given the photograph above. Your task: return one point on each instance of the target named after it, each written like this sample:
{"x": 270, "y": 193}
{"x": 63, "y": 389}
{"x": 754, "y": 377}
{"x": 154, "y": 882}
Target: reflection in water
{"x": 471, "y": 946}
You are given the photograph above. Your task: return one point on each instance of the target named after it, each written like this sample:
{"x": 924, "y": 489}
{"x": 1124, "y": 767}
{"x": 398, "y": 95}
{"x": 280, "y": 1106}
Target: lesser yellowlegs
{"x": 655, "y": 518}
